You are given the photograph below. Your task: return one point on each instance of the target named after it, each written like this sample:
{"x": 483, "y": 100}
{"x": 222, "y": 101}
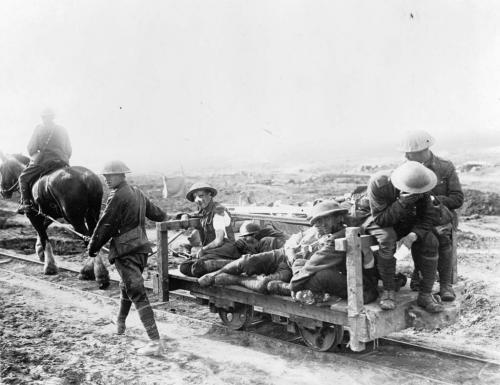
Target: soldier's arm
{"x": 425, "y": 216}
{"x": 384, "y": 214}
{"x": 327, "y": 253}
{"x": 108, "y": 225}
{"x": 455, "y": 197}
{"x": 68, "y": 150}
{"x": 34, "y": 143}
{"x": 154, "y": 213}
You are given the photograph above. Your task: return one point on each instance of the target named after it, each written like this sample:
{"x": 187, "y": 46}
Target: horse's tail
{"x": 95, "y": 193}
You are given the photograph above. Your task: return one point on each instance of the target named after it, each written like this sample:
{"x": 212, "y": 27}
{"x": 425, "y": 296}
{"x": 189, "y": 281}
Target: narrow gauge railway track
{"x": 432, "y": 365}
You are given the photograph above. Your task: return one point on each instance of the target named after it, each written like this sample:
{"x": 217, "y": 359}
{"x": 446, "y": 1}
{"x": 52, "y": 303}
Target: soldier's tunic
{"x": 212, "y": 259}
{"x": 49, "y": 149}
{"x": 391, "y": 220}
{"x": 121, "y": 215}
{"x": 448, "y": 192}
{"x": 322, "y": 269}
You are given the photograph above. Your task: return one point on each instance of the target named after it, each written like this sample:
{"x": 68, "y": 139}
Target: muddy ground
{"x": 53, "y": 338}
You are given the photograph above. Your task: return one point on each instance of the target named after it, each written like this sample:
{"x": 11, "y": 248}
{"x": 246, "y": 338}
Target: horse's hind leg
{"x": 43, "y": 247}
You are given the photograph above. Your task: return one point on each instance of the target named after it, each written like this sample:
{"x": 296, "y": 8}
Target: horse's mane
{"x": 21, "y": 158}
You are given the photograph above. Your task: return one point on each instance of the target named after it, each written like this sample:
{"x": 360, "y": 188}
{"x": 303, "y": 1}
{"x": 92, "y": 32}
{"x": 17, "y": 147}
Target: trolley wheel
{"x": 322, "y": 338}
{"x": 238, "y": 319}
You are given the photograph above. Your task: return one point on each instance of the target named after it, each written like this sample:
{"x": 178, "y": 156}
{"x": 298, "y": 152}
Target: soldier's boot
{"x": 232, "y": 268}
{"x": 387, "y": 300}
{"x": 415, "y": 281}
{"x": 429, "y": 303}
{"x": 120, "y": 327}
{"x": 258, "y": 284}
{"x": 125, "y": 305}
{"x": 446, "y": 292}
{"x": 279, "y": 288}
{"x": 400, "y": 281}
{"x": 224, "y": 279}
{"x": 153, "y": 348}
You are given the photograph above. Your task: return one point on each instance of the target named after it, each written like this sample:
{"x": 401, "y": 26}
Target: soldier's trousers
{"x": 212, "y": 260}
{"x": 424, "y": 252}
{"x": 130, "y": 268}
{"x": 445, "y": 252}
{"x": 27, "y": 178}
{"x": 34, "y": 171}
{"x": 267, "y": 263}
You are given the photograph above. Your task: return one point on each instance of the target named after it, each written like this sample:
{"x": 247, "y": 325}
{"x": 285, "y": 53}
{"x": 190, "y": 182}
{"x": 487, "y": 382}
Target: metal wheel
{"x": 238, "y": 319}
{"x": 322, "y": 338}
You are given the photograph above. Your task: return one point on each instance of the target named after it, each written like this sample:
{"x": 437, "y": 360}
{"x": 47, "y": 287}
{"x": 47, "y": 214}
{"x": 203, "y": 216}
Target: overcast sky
{"x": 148, "y": 81}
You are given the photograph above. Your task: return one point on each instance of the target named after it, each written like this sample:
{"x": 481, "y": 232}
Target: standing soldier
{"x": 49, "y": 149}
{"x": 447, "y": 197}
{"x": 123, "y": 221}
{"x": 401, "y": 208}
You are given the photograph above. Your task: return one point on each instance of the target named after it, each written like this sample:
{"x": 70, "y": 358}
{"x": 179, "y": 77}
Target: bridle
{"x": 10, "y": 189}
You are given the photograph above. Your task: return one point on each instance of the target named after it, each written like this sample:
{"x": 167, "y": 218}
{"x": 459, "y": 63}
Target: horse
{"x": 73, "y": 193}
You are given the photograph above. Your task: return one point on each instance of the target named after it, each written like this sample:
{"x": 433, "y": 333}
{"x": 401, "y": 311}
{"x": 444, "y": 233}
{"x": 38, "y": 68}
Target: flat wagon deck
{"x": 320, "y": 325}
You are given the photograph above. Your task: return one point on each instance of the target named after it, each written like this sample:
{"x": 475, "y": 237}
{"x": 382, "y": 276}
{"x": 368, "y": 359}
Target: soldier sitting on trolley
{"x": 215, "y": 232}
{"x": 447, "y": 196}
{"x": 402, "y": 209}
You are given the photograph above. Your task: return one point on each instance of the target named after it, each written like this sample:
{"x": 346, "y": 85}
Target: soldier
{"x": 216, "y": 234}
{"x": 49, "y": 149}
{"x": 447, "y": 197}
{"x": 401, "y": 208}
{"x": 253, "y": 239}
{"x": 123, "y": 221}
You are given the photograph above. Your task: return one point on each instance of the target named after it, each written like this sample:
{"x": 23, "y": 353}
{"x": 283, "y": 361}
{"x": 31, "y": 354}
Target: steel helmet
{"x": 199, "y": 186}
{"x": 324, "y": 209}
{"x": 249, "y": 228}
{"x": 413, "y": 177}
{"x": 115, "y": 167}
{"x": 416, "y": 140}
{"x": 48, "y": 112}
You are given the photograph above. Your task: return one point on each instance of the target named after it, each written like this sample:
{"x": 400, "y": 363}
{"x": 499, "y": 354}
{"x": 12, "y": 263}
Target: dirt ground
{"x": 56, "y": 337}
{"x": 48, "y": 336}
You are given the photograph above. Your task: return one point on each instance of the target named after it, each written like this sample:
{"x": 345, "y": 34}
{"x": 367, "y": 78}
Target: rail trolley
{"x": 321, "y": 326}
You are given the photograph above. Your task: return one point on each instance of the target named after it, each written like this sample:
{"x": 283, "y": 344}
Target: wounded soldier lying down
{"x": 308, "y": 261}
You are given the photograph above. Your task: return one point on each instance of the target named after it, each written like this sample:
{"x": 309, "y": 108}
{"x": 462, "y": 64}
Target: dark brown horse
{"x": 72, "y": 193}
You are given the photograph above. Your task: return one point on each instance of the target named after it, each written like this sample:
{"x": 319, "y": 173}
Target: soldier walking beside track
{"x": 447, "y": 196}
{"x": 401, "y": 208}
{"x": 123, "y": 221}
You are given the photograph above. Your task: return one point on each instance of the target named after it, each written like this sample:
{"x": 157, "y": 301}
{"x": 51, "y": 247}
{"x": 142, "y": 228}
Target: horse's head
{"x": 10, "y": 169}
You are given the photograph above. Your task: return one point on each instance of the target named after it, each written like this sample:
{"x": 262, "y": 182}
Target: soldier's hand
{"x": 86, "y": 239}
{"x": 200, "y": 253}
{"x": 409, "y": 239}
{"x": 408, "y": 199}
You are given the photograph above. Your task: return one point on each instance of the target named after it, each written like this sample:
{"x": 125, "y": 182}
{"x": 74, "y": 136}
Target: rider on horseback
{"x": 49, "y": 149}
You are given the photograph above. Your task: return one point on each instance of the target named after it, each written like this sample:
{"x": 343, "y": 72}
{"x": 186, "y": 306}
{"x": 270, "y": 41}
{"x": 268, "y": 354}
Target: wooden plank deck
{"x": 373, "y": 322}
